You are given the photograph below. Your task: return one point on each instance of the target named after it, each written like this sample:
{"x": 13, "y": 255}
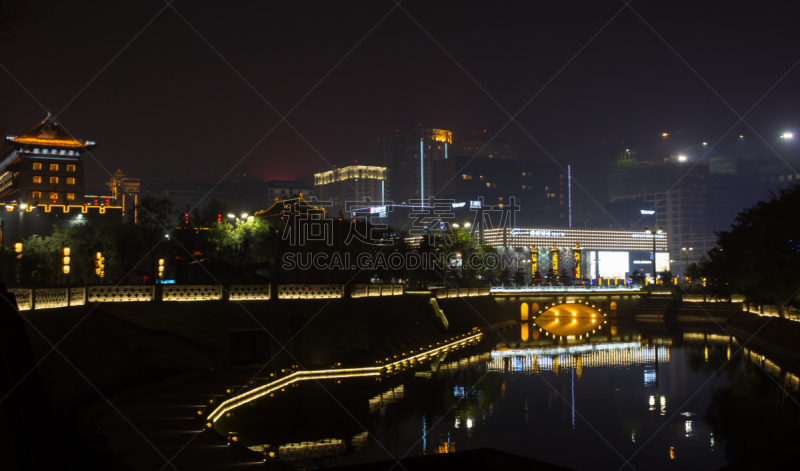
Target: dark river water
{"x": 637, "y": 397}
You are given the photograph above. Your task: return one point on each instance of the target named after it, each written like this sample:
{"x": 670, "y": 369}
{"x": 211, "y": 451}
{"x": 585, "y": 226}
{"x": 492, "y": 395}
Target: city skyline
{"x": 206, "y": 98}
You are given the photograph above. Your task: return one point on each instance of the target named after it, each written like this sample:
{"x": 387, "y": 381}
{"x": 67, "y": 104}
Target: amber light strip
{"x": 249, "y": 396}
{"x": 49, "y": 142}
{"x": 66, "y": 209}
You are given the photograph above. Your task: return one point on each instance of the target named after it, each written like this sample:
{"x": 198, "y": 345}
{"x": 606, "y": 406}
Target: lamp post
{"x": 653, "y": 233}
{"x": 686, "y": 251}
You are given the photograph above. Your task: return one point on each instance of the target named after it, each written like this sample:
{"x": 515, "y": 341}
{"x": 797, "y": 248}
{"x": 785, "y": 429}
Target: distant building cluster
{"x": 690, "y": 200}
{"x": 42, "y": 182}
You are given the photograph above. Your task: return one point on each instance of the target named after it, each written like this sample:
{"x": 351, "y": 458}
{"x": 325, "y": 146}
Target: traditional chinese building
{"x": 125, "y": 192}
{"x": 296, "y": 206}
{"x": 44, "y": 166}
{"x": 42, "y": 182}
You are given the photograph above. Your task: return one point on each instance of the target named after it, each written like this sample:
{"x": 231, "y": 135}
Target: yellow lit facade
{"x": 440, "y": 135}
{"x": 354, "y": 183}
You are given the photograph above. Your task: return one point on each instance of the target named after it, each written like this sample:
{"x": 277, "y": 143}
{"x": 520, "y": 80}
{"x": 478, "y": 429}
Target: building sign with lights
{"x": 459, "y": 205}
{"x": 537, "y": 233}
{"x": 649, "y": 236}
{"x": 379, "y": 210}
{"x": 647, "y": 211}
{"x": 475, "y": 205}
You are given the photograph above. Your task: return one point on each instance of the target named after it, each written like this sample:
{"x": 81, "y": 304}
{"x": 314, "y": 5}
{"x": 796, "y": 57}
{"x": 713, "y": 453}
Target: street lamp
{"x": 686, "y": 251}
{"x": 658, "y": 231}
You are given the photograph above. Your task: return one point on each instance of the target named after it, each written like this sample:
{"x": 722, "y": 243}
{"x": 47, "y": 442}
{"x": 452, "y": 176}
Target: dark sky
{"x": 168, "y": 104}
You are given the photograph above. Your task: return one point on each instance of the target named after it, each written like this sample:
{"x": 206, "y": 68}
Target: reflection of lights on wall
{"x": 469, "y": 422}
{"x": 458, "y": 422}
{"x": 688, "y": 428}
{"x": 652, "y": 402}
{"x": 663, "y": 405}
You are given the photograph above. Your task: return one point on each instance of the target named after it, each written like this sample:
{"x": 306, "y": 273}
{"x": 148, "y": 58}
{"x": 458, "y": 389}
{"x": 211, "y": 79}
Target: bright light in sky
{"x": 682, "y": 158}
{"x": 787, "y": 135}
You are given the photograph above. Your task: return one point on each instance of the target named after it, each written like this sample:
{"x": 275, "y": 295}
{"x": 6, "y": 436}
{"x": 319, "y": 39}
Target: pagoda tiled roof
{"x": 291, "y": 206}
{"x": 49, "y": 133}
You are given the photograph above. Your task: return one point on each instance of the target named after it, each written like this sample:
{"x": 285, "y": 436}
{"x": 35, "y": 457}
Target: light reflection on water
{"x": 533, "y": 400}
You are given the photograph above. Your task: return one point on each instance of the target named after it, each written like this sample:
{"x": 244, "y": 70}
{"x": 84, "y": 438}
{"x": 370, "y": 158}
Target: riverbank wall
{"x": 114, "y": 348}
{"x": 781, "y": 336}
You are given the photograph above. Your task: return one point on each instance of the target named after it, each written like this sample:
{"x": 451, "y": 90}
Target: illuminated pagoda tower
{"x": 124, "y": 190}
{"x": 43, "y": 166}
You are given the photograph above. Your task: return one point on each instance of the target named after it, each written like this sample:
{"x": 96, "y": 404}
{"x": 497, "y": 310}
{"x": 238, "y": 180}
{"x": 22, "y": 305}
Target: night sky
{"x": 171, "y": 106}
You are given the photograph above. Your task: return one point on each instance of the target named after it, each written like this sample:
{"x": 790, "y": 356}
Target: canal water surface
{"x": 647, "y": 396}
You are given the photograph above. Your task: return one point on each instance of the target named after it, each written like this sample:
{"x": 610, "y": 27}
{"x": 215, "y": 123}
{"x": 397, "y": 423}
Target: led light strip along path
{"x": 297, "y": 376}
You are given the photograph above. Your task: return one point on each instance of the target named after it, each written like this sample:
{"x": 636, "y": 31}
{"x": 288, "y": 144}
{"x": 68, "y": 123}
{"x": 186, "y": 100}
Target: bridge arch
{"x": 571, "y": 319}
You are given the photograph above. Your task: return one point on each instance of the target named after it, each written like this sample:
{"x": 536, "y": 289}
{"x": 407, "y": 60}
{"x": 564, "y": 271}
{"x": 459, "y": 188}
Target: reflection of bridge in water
{"x": 531, "y": 360}
{"x": 575, "y": 356}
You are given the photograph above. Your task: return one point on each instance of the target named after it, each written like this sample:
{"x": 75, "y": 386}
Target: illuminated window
{"x": 70, "y": 168}
{"x": 54, "y": 167}
{"x": 37, "y": 179}
{"x": 70, "y": 196}
{"x": 70, "y": 181}
{"x": 53, "y": 180}
{"x": 37, "y": 166}
{"x": 36, "y": 194}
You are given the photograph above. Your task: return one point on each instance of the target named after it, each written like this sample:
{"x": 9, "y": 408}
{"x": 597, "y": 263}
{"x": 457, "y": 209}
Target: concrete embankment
{"x": 121, "y": 347}
{"x": 781, "y": 336}
{"x": 142, "y": 357}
